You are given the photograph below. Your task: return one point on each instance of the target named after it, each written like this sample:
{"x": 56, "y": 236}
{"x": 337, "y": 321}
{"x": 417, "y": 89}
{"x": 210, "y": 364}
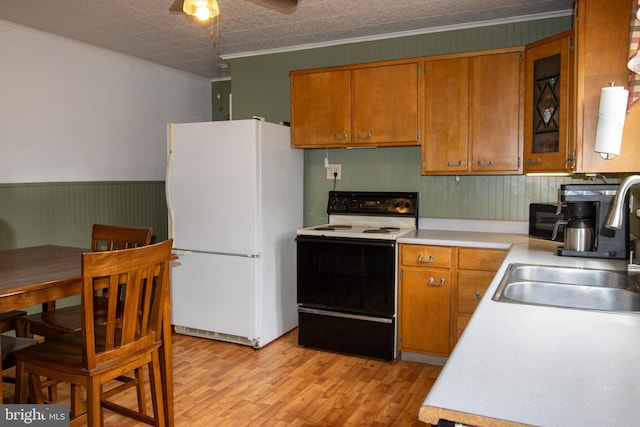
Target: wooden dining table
{"x": 42, "y": 274}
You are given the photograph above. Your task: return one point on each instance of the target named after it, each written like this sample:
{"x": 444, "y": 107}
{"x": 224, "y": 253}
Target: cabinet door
{"x": 445, "y": 140}
{"x": 602, "y": 43}
{"x": 547, "y": 105}
{"x": 321, "y": 109}
{"x": 385, "y": 105}
{"x": 425, "y": 310}
{"x": 495, "y": 129}
{"x": 471, "y": 288}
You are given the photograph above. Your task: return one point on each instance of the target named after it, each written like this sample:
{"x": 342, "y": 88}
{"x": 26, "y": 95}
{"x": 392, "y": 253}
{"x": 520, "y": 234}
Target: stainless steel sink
{"x": 579, "y": 288}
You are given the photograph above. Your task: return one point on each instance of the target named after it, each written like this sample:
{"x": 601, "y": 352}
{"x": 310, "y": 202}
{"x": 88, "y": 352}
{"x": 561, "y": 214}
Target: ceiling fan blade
{"x": 176, "y": 6}
{"x": 282, "y": 6}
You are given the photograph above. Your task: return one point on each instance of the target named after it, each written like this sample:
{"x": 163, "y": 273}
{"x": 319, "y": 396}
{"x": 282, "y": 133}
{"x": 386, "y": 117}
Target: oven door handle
{"x": 345, "y": 241}
{"x": 344, "y": 315}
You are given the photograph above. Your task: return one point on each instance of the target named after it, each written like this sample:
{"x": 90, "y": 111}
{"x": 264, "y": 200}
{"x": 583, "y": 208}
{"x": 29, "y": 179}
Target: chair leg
{"x": 76, "y": 401}
{"x": 35, "y": 389}
{"x": 94, "y": 412}
{"x": 142, "y": 398}
{"x": 157, "y": 396}
{"x": 22, "y": 382}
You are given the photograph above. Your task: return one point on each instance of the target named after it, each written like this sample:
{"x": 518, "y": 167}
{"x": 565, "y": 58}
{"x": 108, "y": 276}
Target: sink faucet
{"x": 616, "y": 215}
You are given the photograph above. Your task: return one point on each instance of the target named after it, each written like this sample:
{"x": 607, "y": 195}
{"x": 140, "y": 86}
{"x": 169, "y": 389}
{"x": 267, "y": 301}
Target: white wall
{"x": 70, "y": 111}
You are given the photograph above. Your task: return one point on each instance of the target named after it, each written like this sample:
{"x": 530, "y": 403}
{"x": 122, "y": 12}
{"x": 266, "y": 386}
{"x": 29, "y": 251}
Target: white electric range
{"x": 346, "y": 273}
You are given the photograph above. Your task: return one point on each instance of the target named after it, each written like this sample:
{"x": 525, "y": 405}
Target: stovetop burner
{"x": 333, "y": 227}
{"x": 381, "y": 230}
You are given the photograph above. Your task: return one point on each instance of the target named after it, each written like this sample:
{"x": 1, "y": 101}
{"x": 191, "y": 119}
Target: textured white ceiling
{"x": 146, "y": 29}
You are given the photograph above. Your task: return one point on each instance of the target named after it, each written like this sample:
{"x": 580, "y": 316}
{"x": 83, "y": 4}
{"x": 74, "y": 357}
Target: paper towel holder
{"x": 611, "y": 115}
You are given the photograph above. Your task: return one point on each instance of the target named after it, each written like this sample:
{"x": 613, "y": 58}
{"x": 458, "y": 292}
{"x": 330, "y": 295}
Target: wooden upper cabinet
{"x": 446, "y": 126}
{"x": 321, "y": 108}
{"x": 473, "y": 114}
{"x": 496, "y": 113}
{"x": 601, "y": 50}
{"x": 373, "y": 105}
{"x": 548, "y": 106}
{"x": 385, "y": 104}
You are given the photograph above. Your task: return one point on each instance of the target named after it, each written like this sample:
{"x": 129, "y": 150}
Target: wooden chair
{"x": 10, "y": 344}
{"x": 56, "y": 322}
{"x": 129, "y": 339}
{"x": 51, "y": 323}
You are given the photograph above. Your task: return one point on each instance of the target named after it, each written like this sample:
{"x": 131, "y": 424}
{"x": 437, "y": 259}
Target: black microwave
{"x": 542, "y": 219}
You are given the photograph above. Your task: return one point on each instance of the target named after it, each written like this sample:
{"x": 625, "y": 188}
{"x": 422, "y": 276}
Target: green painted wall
{"x": 220, "y": 91}
{"x": 260, "y": 86}
{"x": 63, "y": 213}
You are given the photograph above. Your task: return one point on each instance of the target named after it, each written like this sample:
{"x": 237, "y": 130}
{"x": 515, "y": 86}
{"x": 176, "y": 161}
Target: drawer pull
{"x": 478, "y": 295}
{"x": 420, "y": 259}
{"x": 485, "y": 165}
{"x": 534, "y": 162}
{"x": 339, "y": 138}
{"x": 367, "y": 136}
{"x": 454, "y": 165}
{"x": 434, "y": 283}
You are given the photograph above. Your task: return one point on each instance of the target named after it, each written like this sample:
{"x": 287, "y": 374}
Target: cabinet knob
{"x": 420, "y": 259}
{"x": 478, "y": 295}
{"x": 485, "y": 165}
{"x": 432, "y": 282}
{"x": 339, "y": 138}
{"x": 534, "y": 162}
{"x": 454, "y": 165}
{"x": 367, "y": 136}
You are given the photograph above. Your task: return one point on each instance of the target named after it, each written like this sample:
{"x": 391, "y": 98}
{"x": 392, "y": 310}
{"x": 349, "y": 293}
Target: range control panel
{"x": 373, "y": 203}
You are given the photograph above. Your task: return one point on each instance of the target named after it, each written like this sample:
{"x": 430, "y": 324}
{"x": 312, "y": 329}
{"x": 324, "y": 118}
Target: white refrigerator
{"x": 234, "y": 195}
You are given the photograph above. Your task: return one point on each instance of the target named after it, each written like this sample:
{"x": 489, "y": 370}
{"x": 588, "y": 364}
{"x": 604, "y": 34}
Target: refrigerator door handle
{"x": 167, "y": 180}
{"x": 178, "y": 251}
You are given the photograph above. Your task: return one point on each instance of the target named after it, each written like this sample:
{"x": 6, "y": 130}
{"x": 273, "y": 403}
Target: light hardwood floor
{"x": 283, "y": 384}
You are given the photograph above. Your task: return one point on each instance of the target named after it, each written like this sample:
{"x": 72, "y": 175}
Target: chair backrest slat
{"x": 137, "y": 291}
{"x": 111, "y": 237}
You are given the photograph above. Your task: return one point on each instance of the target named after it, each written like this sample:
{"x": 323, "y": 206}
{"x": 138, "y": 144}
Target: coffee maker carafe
{"x": 578, "y": 231}
{"x": 585, "y": 234}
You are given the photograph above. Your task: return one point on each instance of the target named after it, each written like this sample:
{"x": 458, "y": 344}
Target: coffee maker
{"x": 585, "y": 234}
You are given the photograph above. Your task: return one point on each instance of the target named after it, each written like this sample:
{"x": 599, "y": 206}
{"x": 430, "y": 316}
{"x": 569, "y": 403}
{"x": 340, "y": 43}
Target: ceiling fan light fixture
{"x": 201, "y": 9}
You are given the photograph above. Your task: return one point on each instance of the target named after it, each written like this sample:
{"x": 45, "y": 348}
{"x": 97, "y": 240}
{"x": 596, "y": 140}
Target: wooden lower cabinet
{"x": 425, "y": 312}
{"x": 440, "y": 287}
{"x": 425, "y": 298}
{"x": 471, "y": 288}
{"x": 476, "y": 269}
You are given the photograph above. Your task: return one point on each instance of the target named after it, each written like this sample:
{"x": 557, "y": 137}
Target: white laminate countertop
{"x": 474, "y": 239}
{"x": 535, "y": 365}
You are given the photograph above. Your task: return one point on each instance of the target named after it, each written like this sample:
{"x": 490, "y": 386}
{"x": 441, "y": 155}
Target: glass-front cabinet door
{"x": 547, "y": 146}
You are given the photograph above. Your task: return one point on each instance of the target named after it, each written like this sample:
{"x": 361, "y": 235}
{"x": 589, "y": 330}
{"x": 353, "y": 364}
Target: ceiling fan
{"x": 282, "y": 6}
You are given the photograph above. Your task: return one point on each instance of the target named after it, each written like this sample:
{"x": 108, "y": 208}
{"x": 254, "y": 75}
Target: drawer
{"x": 480, "y": 259}
{"x": 426, "y": 256}
{"x": 471, "y": 288}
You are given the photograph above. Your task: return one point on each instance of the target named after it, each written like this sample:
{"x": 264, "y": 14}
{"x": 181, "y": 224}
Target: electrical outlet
{"x": 334, "y": 169}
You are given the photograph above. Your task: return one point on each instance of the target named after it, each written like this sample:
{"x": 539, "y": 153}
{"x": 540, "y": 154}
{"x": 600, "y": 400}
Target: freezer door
{"x": 215, "y": 293}
{"x": 212, "y": 189}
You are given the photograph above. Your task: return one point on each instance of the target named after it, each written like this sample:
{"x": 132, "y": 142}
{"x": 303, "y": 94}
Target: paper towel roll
{"x": 613, "y": 108}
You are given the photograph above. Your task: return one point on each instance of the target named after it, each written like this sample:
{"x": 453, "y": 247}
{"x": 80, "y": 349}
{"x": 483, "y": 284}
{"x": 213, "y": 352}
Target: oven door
{"x": 351, "y": 275}
{"x": 347, "y": 295}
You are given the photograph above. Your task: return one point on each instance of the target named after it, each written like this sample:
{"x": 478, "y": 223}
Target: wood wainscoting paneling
{"x": 63, "y": 213}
